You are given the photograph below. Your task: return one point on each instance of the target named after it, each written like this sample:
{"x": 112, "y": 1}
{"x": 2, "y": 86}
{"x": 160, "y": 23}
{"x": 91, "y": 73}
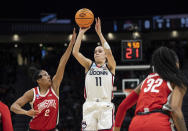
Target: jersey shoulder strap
{"x": 90, "y": 67}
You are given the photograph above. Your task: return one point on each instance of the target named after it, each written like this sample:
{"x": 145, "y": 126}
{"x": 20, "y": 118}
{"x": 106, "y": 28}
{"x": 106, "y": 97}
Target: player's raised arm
{"x": 85, "y": 62}
{"x": 110, "y": 58}
{"x": 61, "y": 67}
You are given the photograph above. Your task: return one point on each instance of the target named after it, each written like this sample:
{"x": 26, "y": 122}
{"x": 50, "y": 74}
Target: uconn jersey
{"x": 98, "y": 94}
{"x": 99, "y": 83}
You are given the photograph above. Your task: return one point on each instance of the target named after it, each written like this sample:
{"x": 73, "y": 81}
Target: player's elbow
{"x": 73, "y": 52}
{"x": 176, "y": 110}
{"x": 12, "y": 107}
{"x": 114, "y": 64}
{"x": 177, "y": 115}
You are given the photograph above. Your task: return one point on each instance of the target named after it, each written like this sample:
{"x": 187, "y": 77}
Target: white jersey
{"x": 99, "y": 83}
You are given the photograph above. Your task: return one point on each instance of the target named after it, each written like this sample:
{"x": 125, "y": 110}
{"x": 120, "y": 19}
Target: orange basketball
{"x": 84, "y": 18}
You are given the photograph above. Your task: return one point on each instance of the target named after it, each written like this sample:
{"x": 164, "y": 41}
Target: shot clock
{"x": 131, "y": 50}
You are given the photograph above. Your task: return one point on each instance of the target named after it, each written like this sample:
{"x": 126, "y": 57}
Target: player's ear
{"x": 38, "y": 81}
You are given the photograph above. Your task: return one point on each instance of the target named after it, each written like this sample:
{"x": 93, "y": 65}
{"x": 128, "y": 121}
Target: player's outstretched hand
{"x": 98, "y": 25}
{"x": 73, "y": 39}
{"x": 32, "y": 112}
{"x": 83, "y": 30}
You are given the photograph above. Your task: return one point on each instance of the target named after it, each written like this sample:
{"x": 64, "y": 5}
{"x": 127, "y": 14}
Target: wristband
{"x": 106, "y": 46}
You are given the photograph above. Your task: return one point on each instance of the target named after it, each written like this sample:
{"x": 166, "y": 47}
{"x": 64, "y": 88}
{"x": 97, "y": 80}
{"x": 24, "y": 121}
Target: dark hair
{"x": 34, "y": 73}
{"x": 164, "y": 61}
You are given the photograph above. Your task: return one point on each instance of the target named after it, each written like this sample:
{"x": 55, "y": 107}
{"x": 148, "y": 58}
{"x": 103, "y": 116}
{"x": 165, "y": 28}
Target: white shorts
{"x": 97, "y": 116}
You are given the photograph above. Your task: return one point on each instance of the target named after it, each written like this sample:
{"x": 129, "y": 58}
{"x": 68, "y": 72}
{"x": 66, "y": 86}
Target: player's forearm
{"x": 105, "y": 44}
{"x": 76, "y": 47}
{"x": 179, "y": 120}
{"x": 102, "y": 39}
{"x": 126, "y": 104}
{"x": 17, "y": 109}
{"x": 61, "y": 67}
{"x": 66, "y": 55}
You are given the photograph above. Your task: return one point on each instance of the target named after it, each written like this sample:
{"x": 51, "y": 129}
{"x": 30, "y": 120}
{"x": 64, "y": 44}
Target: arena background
{"x": 37, "y": 33}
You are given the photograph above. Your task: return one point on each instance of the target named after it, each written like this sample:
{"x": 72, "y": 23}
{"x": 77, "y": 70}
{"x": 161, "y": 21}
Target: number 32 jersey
{"x": 99, "y": 83}
{"x": 155, "y": 93}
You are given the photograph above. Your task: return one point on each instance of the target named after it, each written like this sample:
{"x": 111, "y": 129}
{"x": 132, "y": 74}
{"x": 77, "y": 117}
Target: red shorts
{"x": 151, "y": 122}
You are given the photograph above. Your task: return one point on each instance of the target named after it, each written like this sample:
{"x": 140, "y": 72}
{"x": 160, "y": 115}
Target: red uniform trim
{"x": 85, "y": 95}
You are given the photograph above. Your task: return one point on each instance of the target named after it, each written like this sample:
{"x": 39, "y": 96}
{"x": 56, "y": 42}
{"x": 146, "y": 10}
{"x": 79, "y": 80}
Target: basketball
{"x": 84, "y": 18}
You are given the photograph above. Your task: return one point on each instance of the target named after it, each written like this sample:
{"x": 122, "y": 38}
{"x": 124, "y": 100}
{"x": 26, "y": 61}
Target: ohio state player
{"x": 159, "y": 97}
{"x": 44, "y": 97}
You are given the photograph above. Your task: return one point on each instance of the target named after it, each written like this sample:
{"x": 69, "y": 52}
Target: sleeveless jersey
{"x": 48, "y": 106}
{"x": 155, "y": 94}
{"x": 99, "y": 83}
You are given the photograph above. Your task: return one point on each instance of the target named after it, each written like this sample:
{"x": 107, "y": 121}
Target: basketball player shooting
{"x": 97, "y": 109}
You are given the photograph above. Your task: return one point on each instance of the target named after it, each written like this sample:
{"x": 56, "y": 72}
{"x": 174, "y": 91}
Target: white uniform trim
{"x": 40, "y": 94}
{"x": 167, "y": 106}
{"x": 58, "y": 113}
{"x": 172, "y": 124}
{"x": 149, "y": 76}
{"x": 142, "y": 83}
{"x": 106, "y": 46}
{"x": 153, "y": 75}
{"x": 58, "y": 104}
{"x": 34, "y": 95}
{"x": 54, "y": 93}
{"x": 169, "y": 86}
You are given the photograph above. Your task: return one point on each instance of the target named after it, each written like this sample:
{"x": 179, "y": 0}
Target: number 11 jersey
{"x": 99, "y": 83}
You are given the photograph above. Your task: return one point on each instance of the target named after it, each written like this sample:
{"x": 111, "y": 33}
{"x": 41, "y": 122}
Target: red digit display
{"x": 137, "y": 53}
{"x": 128, "y": 54}
{"x": 131, "y": 50}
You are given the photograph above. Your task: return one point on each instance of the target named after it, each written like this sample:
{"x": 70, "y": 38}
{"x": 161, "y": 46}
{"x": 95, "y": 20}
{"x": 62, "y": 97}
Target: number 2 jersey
{"x": 155, "y": 93}
{"x": 99, "y": 83}
{"x": 47, "y": 104}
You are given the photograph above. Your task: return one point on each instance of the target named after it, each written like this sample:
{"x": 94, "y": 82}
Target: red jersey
{"x": 5, "y": 117}
{"x": 48, "y": 106}
{"x": 155, "y": 94}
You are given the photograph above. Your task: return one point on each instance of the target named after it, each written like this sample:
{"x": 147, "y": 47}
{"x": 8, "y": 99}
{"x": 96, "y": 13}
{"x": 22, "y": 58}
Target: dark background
{"x": 110, "y": 9}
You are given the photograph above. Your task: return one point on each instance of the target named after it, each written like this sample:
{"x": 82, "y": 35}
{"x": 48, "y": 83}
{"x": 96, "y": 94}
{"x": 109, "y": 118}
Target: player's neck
{"x": 43, "y": 89}
{"x": 100, "y": 63}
